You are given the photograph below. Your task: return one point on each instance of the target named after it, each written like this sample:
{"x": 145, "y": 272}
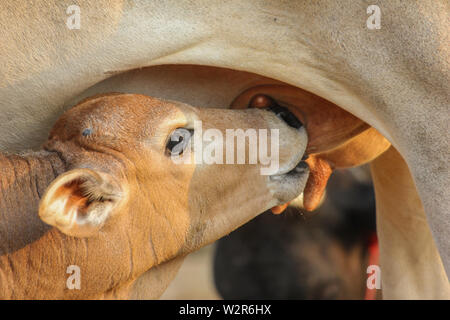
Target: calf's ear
{"x": 80, "y": 201}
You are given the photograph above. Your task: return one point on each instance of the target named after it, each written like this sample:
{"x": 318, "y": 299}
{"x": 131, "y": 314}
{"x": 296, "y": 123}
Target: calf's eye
{"x": 179, "y": 141}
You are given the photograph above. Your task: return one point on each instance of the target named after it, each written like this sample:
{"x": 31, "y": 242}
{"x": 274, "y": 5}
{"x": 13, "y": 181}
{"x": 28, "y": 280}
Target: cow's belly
{"x": 196, "y": 85}
{"x": 201, "y": 86}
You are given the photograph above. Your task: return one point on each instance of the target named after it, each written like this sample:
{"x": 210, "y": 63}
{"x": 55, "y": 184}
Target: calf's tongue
{"x": 319, "y": 172}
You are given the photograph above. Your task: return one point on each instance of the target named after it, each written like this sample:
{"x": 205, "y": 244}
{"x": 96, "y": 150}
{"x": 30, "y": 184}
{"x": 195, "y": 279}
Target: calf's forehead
{"x": 120, "y": 115}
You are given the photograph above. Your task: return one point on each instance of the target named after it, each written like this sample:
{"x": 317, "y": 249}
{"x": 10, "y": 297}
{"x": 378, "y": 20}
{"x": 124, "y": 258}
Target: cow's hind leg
{"x": 410, "y": 263}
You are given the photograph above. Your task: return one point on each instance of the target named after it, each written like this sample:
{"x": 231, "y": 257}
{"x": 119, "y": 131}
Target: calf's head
{"x": 124, "y": 185}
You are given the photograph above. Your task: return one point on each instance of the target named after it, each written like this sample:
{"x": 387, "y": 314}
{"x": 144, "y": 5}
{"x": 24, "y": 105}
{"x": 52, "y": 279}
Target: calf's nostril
{"x": 284, "y": 114}
{"x": 263, "y": 101}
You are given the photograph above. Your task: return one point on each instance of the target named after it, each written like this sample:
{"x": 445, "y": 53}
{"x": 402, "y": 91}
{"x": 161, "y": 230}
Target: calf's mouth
{"x": 301, "y": 170}
{"x": 313, "y": 171}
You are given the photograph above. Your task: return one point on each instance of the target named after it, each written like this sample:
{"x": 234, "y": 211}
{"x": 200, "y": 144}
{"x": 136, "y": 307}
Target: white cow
{"x": 395, "y": 78}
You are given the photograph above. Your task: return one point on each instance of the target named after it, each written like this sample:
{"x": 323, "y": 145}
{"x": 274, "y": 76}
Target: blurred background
{"x": 295, "y": 255}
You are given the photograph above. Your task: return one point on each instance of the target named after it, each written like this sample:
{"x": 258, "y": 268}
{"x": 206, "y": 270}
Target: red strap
{"x": 371, "y": 294}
